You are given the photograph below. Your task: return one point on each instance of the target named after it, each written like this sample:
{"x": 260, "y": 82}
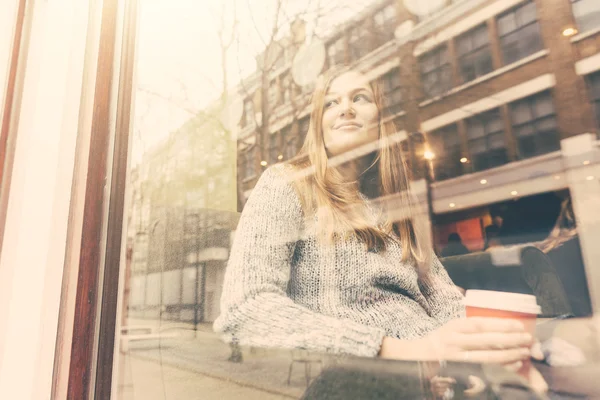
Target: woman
{"x": 316, "y": 264}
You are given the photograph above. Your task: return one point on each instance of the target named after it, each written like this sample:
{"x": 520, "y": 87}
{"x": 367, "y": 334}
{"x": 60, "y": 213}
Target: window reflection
{"x": 475, "y": 154}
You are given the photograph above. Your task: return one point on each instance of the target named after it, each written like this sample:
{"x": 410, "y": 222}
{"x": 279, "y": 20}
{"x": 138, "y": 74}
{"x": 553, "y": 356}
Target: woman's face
{"x": 350, "y": 115}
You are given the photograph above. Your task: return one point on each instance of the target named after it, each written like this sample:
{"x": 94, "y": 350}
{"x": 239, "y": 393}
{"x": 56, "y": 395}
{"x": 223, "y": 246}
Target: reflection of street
{"x": 185, "y": 367}
{"x": 148, "y": 380}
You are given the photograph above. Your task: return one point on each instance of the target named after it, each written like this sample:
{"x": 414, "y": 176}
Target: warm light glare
{"x": 263, "y": 163}
{"x": 590, "y": 178}
{"x": 280, "y": 157}
{"x": 464, "y": 160}
{"x": 428, "y": 155}
{"x": 514, "y": 193}
{"x": 586, "y": 162}
{"x": 557, "y": 177}
{"x": 569, "y": 32}
{"x": 483, "y": 181}
{"x": 452, "y": 205}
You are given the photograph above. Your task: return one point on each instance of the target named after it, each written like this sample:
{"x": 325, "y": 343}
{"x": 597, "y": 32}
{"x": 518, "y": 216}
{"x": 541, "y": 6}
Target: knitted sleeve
{"x": 444, "y": 298}
{"x": 255, "y": 309}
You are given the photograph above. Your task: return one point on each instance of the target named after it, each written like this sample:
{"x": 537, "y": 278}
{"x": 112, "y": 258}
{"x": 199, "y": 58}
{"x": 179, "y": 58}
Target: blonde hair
{"x": 338, "y": 208}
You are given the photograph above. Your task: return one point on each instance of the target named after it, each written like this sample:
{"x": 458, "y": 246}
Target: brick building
{"x": 494, "y": 86}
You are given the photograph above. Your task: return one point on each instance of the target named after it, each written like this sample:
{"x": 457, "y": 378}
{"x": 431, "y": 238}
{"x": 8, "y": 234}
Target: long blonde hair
{"x": 338, "y": 207}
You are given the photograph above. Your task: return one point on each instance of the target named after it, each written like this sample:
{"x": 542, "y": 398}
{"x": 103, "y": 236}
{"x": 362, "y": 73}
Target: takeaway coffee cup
{"x": 522, "y": 307}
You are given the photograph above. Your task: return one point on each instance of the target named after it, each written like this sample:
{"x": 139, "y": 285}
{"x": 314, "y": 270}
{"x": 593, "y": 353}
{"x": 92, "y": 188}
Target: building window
{"x": 248, "y": 119}
{"x": 392, "y": 91}
{"x": 336, "y": 52}
{"x": 274, "y": 148}
{"x": 445, "y": 144}
{"x": 593, "y": 82}
{"x": 474, "y": 54}
{"x": 519, "y": 33}
{"x": 248, "y": 171}
{"x": 436, "y": 72}
{"x": 534, "y": 125}
{"x": 485, "y": 133}
{"x": 358, "y": 41}
{"x": 385, "y": 23}
{"x": 587, "y": 14}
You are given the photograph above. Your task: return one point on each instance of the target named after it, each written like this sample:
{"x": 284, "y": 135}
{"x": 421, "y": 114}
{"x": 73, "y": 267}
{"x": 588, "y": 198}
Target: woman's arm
{"x": 255, "y": 309}
{"x": 443, "y": 296}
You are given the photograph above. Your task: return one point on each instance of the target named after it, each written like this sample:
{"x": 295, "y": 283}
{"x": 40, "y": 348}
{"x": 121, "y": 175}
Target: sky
{"x": 179, "y": 70}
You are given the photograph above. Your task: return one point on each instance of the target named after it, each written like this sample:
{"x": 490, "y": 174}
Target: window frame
{"x": 392, "y": 77}
{"x": 487, "y": 137}
{"x": 535, "y": 121}
{"x": 578, "y": 18}
{"x": 591, "y": 80}
{"x": 446, "y": 164}
{"x": 518, "y": 32}
{"x": 440, "y": 53}
{"x": 472, "y": 56}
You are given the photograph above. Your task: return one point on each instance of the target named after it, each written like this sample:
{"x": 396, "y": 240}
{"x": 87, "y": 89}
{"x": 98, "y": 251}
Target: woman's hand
{"x": 481, "y": 340}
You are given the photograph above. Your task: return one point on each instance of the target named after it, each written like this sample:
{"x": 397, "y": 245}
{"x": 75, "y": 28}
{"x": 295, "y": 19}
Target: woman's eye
{"x": 359, "y": 97}
{"x": 330, "y": 103}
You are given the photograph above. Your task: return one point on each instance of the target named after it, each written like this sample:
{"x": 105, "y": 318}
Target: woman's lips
{"x": 349, "y": 126}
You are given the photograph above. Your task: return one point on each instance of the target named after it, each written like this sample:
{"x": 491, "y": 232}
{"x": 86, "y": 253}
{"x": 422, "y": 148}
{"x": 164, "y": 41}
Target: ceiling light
{"x": 464, "y": 160}
{"x": 452, "y": 205}
{"x": 590, "y": 178}
{"x": 263, "y": 163}
{"x": 586, "y": 162}
{"x": 483, "y": 181}
{"x": 514, "y": 193}
{"x": 570, "y": 31}
{"x": 428, "y": 155}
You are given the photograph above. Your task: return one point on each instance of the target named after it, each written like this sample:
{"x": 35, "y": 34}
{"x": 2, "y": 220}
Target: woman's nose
{"x": 347, "y": 109}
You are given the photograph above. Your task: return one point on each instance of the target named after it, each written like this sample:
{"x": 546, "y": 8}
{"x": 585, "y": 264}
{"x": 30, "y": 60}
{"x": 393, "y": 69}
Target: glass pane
{"x": 526, "y": 14}
{"x": 531, "y": 40}
{"x": 587, "y": 14}
{"x": 475, "y": 129}
{"x": 230, "y": 291}
{"x": 544, "y": 106}
{"x": 521, "y": 112}
{"x": 507, "y": 23}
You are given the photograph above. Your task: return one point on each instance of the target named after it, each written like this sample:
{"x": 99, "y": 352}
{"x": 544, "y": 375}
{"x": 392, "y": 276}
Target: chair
{"x": 519, "y": 269}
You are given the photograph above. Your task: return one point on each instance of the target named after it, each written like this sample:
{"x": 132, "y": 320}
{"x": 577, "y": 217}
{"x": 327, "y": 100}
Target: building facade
{"x": 489, "y": 88}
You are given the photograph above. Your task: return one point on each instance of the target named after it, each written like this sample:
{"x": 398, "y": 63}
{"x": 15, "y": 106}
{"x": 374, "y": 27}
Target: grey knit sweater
{"x": 284, "y": 288}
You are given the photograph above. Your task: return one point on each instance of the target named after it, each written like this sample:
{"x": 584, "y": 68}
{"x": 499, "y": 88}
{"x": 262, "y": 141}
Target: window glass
{"x": 486, "y": 140}
{"x": 392, "y": 89}
{"x": 221, "y": 267}
{"x": 474, "y": 54}
{"x": 446, "y": 146}
{"x": 519, "y": 33}
{"x": 587, "y": 14}
{"x": 593, "y": 81}
{"x": 534, "y": 125}
{"x": 436, "y": 72}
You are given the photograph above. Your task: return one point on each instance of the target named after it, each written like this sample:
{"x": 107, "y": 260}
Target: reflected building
{"x": 494, "y": 92}
{"x": 182, "y": 215}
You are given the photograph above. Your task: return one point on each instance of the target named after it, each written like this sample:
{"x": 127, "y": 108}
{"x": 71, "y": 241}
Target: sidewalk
{"x": 203, "y": 353}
